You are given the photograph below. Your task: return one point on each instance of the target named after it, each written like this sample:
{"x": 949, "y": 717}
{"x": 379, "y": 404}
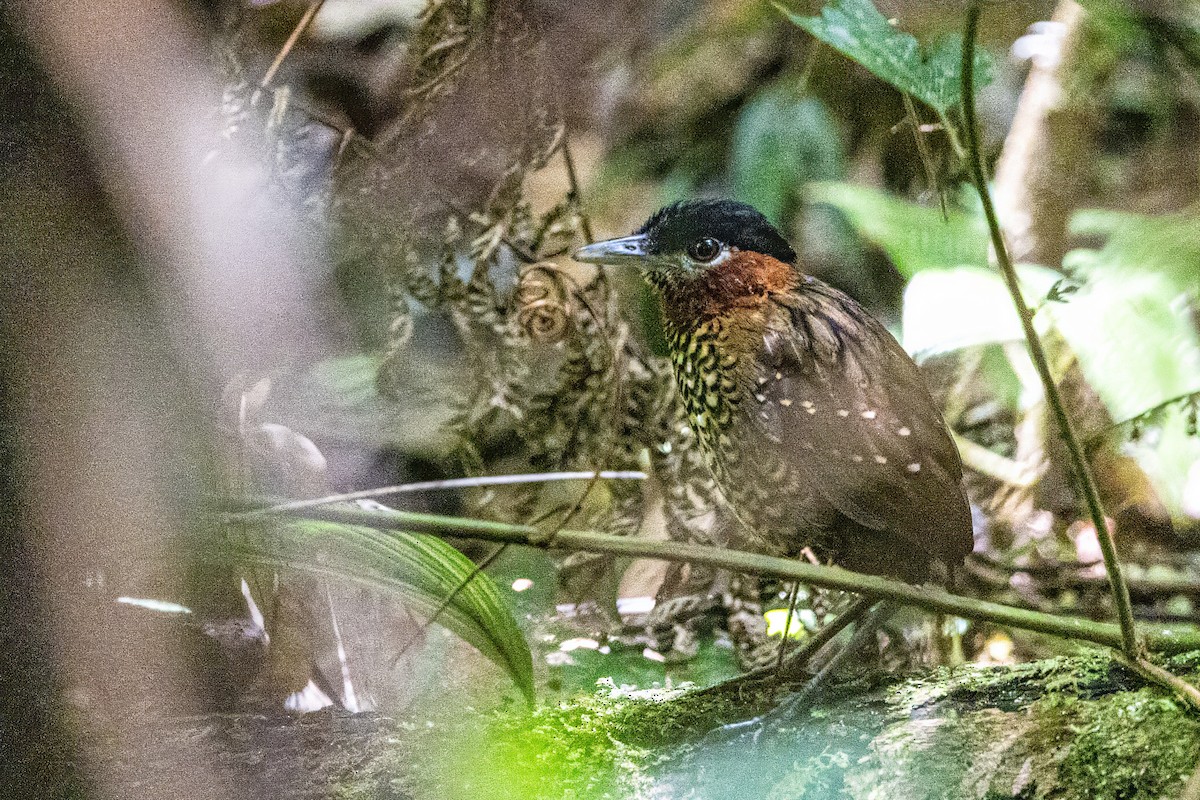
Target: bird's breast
{"x": 714, "y": 364}
{"x": 708, "y": 377}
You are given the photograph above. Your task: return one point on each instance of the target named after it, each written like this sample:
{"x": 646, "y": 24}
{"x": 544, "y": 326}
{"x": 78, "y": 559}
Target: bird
{"x": 816, "y": 424}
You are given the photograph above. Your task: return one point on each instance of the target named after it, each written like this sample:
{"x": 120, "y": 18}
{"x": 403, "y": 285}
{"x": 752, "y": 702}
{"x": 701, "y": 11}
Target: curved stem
{"x": 1130, "y": 645}
{"x": 573, "y": 193}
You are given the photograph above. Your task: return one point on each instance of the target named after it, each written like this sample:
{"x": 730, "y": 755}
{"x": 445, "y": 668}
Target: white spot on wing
{"x": 843, "y": 412}
{"x": 914, "y": 467}
{"x": 868, "y": 414}
{"x": 785, "y": 401}
{"x": 880, "y": 460}
{"x": 904, "y": 432}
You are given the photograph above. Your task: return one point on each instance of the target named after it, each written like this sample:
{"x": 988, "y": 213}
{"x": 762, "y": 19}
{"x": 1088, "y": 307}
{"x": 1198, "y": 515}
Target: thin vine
{"x": 1130, "y": 645}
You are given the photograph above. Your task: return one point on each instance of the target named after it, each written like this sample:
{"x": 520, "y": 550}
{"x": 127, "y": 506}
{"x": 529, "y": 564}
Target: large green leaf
{"x": 780, "y": 143}
{"x": 857, "y": 30}
{"x": 1134, "y": 343}
{"x": 1129, "y": 324}
{"x": 948, "y": 309}
{"x": 1130, "y": 327}
{"x": 421, "y": 569}
{"x": 914, "y": 237}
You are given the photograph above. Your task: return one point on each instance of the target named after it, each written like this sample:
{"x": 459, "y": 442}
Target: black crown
{"x": 673, "y": 228}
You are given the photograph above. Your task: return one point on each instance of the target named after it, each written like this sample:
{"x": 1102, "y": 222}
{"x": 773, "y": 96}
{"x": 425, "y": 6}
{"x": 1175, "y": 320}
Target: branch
{"x": 1159, "y": 638}
{"x": 1129, "y": 643}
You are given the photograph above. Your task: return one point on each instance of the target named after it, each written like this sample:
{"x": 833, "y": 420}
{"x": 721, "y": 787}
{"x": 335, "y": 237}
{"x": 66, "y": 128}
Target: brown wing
{"x": 835, "y": 389}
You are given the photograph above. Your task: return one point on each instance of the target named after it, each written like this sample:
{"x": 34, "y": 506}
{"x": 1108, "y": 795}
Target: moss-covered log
{"x": 1080, "y": 727}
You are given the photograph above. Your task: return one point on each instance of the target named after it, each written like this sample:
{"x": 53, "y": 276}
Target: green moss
{"x": 1064, "y": 728}
{"x": 1090, "y": 674}
{"x": 1141, "y": 744}
{"x": 659, "y": 719}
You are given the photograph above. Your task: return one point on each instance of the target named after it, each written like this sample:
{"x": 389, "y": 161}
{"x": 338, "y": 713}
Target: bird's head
{"x": 704, "y": 256}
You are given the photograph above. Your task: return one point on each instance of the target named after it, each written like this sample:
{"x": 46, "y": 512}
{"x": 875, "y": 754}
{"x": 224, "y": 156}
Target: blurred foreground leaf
{"x": 1134, "y": 344}
{"x": 338, "y": 400}
{"x": 422, "y": 570}
{"x": 857, "y": 30}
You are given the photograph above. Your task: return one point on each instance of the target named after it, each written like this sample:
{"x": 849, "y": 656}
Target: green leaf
{"x": 914, "y": 237}
{"x": 1135, "y": 345}
{"x": 780, "y": 143}
{"x": 1131, "y": 329}
{"x": 1169, "y": 458}
{"x": 857, "y": 30}
{"x": 1128, "y": 324}
{"x": 421, "y": 569}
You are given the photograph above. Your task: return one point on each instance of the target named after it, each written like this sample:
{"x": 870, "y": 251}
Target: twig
{"x": 867, "y": 627}
{"x": 992, "y": 464}
{"x": 457, "y": 483}
{"x": 795, "y": 662}
{"x": 483, "y": 564}
{"x": 822, "y": 637}
{"x": 923, "y": 152}
{"x": 1039, "y": 569}
{"x": 1061, "y": 576}
{"x": 1124, "y": 608}
{"x": 952, "y": 135}
{"x": 793, "y": 596}
{"x": 306, "y": 19}
{"x": 575, "y": 198}
{"x": 1149, "y": 413}
{"x": 1159, "y": 638}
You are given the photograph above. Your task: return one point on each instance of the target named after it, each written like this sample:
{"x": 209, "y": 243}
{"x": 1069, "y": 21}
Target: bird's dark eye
{"x": 704, "y": 250}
